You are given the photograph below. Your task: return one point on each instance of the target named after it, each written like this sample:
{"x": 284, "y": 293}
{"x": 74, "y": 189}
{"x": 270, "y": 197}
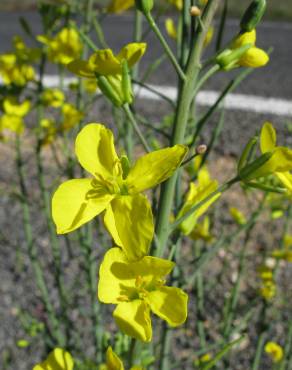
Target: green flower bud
{"x": 229, "y": 57}
{"x": 145, "y": 6}
{"x": 253, "y": 15}
{"x": 245, "y": 156}
{"x": 126, "y": 83}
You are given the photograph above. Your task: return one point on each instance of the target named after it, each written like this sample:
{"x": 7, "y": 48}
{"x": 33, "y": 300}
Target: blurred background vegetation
{"x": 276, "y": 9}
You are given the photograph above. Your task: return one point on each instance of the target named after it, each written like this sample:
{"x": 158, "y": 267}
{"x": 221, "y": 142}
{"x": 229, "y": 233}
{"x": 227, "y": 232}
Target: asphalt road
{"x": 275, "y": 80}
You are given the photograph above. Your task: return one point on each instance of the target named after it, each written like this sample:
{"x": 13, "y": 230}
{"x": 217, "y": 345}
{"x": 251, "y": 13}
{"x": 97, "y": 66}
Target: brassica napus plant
{"x": 148, "y": 255}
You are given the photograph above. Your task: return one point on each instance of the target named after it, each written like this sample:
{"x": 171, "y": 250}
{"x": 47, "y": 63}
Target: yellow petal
{"x": 117, "y": 275}
{"x": 286, "y": 179}
{"x": 58, "y": 359}
{"x": 170, "y": 28}
{"x": 254, "y": 58}
{"x": 73, "y": 204}
{"x": 104, "y": 62}
{"x": 280, "y": 161}
{"x": 113, "y": 282}
{"x": 245, "y": 38}
{"x": 169, "y": 304}
{"x": 130, "y": 223}
{"x": 196, "y": 195}
{"x": 118, "y": 6}
{"x": 44, "y": 39}
{"x": 268, "y": 138}
{"x": 155, "y": 167}
{"x": 113, "y": 362}
{"x": 12, "y": 123}
{"x": 132, "y": 52}
{"x": 94, "y": 148}
{"x": 81, "y": 68}
{"x": 12, "y": 107}
{"x": 133, "y": 318}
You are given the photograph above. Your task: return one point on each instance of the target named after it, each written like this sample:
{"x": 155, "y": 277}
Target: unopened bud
{"x": 195, "y": 11}
{"x": 201, "y": 149}
{"x": 229, "y": 57}
{"x": 145, "y": 6}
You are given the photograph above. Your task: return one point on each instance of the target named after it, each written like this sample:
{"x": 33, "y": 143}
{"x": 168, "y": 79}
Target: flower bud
{"x": 109, "y": 91}
{"x": 229, "y": 57}
{"x": 195, "y": 11}
{"x": 253, "y": 15}
{"x": 201, "y": 149}
{"x": 126, "y": 83}
{"x": 145, "y": 6}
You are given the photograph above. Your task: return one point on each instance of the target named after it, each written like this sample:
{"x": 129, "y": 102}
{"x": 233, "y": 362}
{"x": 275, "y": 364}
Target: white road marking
{"x": 250, "y": 103}
{"x": 241, "y": 102}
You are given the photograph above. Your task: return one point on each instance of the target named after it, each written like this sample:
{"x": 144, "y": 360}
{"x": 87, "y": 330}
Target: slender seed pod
{"x": 253, "y": 15}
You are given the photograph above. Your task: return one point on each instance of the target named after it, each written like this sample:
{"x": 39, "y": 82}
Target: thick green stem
{"x": 180, "y": 123}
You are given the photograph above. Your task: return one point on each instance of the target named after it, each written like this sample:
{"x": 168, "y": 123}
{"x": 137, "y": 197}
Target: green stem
{"x": 165, "y": 45}
{"x": 200, "y": 304}
{"x": 259, "y": 351}
{"x": 135, "y": 126}
{"x": 222, "y": 242}
{"x": 180, "y": 123}
{"x": 205, "y": 78}
{"x": 91, "y": 272}
{"x": 99, "y": 33}
{"x": 32, "y": 251}
{"x": 287, "y": 350}
{"x": 229, "y": 88}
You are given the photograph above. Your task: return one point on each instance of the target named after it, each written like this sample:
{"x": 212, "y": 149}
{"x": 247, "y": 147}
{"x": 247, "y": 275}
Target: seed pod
{"x": 253, "y": 15}
{"x": 145, "y": 6}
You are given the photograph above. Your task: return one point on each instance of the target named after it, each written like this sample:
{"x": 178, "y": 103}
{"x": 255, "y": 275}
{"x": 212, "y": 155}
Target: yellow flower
{"x": 113, "y": 362}
{"x": 64, "y": 47}
{"x": 118, "y": 6}
{"x": 58, "y": 359}
{"x": 237, "y": 216}
{"x": 170, "y": 28}
{"x": 275, "y": 351}
{"x": 203, "y": 359}
{"x": 14, "y": 112}
{"x": 286, "y": 252}
{"x": 49, "y": 128}
{"x": 115, "y": 188}
{"x": 71, "y": 117}
{"x": 138, "y": 288}
{"x": 197, "y": 192}
{"x": 53, "y": 98}
{"x": 90, "y": 85}
{"x": 177, "y": 3}
{"x": 202, "y": 231}
{"x": 112, "y": 78}
{"x": 281, "y": 162}
{"x": 14, "y": 72}
{"x": 253, "y": 57}
{"x": 268, "y": 289}
{"x": 24, "y": 53}
{"x": 105, "y": 63}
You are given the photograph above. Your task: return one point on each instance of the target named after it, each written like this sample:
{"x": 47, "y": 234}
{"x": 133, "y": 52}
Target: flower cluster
{"x": 115, "y": 189}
